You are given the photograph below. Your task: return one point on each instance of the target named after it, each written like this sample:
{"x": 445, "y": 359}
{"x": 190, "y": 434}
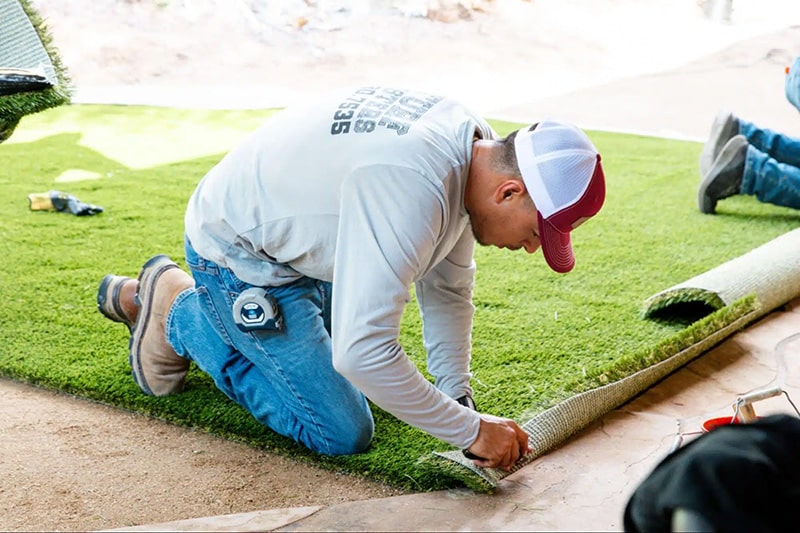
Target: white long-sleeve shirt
{"x": 364, "y": 189}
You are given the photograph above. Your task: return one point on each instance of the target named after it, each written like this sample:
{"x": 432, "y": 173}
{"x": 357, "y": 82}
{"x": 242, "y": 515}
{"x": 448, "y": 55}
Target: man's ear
{"x": 507, "y": 190}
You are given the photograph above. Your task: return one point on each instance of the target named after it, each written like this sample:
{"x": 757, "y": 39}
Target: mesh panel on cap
{"x": 557, "y": 161}
{"x": 555, "y": 138}
{"x": 562, "y": 191}
{"x": 564, "y": 156}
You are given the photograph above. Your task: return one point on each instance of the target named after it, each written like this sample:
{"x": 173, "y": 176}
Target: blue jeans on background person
{"x": 285, "y": 379}
{"x": 772, "y": 166}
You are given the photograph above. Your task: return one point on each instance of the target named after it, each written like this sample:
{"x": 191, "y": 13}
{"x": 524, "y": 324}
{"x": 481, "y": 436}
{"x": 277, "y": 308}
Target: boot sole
{"x": 108, "y": 299}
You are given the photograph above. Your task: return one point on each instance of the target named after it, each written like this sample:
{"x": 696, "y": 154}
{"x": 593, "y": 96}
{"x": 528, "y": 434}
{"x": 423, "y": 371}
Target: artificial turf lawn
{"x": 538, "y": 336}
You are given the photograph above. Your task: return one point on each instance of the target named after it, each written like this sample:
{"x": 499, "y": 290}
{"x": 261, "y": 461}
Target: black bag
{"x": 737, "y": 477}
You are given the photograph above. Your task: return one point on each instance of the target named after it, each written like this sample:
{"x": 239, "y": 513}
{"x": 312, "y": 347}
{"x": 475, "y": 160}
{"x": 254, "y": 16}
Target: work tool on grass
{"x": 61, "y": 202}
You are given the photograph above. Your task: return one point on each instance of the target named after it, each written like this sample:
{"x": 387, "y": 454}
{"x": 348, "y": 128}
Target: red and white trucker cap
{"x": 562, "y": 172}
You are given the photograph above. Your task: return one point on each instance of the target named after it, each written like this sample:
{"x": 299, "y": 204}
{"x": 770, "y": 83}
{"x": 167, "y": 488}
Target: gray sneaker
{"x": 724, "y": 178}
{"x": 725, "y": 126}
{"x": 157, "y": 369}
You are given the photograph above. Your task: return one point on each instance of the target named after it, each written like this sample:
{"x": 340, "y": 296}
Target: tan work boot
{"x": 157, "y": 369}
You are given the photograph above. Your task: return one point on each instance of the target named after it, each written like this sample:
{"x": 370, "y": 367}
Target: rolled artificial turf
{"x": 26, "y": 44}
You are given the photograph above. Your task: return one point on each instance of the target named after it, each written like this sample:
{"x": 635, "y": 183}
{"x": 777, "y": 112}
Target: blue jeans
{"x": 772, "y": 166}
{"x": 286, "y": 379}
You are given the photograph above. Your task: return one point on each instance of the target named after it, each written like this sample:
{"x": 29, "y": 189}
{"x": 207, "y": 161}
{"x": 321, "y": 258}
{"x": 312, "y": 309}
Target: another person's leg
{"x": 742, "y": 168}
{"x": 726, "y": 125}
{"x": 783, "y": 148}
{"x": 770, "y": 180}
{"x": 285, "y": 379}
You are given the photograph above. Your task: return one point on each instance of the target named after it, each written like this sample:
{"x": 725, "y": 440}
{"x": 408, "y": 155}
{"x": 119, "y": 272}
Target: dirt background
{"x": 70, "y": 465}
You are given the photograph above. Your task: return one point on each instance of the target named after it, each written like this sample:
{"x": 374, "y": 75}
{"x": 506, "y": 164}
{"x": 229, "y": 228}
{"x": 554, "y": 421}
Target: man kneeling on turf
{"x": 304, "y": 242}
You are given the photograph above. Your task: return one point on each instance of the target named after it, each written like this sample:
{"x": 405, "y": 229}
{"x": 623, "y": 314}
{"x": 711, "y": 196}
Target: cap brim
{"x": 556, "y": 247}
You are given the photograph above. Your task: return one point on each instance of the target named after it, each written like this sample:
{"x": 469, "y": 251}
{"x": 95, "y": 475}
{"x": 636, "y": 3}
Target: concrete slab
{"x": 255, "y": 521}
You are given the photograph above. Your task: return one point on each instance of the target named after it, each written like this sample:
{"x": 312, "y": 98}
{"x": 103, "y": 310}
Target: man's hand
{"x": 500, "y": 443}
